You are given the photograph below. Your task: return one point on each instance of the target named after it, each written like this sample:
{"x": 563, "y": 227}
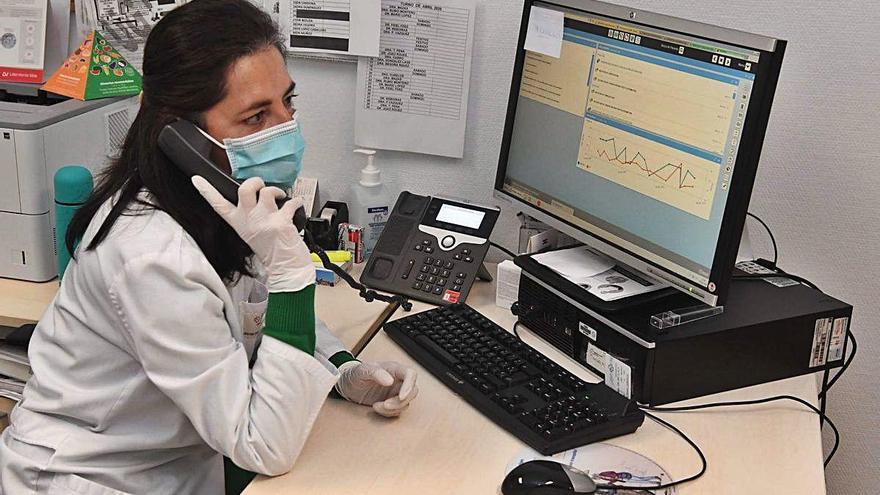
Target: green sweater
{"x": 290, "y": 318}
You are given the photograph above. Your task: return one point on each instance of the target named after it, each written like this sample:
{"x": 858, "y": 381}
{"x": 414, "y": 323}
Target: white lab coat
{"x": 141, "y": 377}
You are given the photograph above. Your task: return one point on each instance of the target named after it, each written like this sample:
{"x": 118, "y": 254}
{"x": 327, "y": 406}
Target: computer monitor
{"x": 642, "y": 138}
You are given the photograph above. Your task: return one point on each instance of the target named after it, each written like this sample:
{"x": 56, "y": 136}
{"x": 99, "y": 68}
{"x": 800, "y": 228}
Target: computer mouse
{"x": 541, "y": 477}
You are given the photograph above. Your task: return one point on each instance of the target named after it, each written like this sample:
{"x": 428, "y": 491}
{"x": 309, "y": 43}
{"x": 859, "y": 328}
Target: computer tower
{"x": 765, "y": 333}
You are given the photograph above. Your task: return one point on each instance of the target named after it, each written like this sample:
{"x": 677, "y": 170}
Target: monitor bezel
{"x": 745, "y": 167}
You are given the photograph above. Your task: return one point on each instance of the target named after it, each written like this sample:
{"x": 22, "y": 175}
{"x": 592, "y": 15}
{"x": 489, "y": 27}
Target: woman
{"x": 141, "y": 363}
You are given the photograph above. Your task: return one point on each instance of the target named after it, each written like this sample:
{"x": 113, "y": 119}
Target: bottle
{"x": 370, "y": 202}
{"x": 73, "y": 185}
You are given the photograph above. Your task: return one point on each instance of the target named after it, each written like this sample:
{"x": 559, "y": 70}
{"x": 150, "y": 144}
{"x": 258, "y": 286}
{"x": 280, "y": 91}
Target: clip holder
{"x": 676, "y": 317}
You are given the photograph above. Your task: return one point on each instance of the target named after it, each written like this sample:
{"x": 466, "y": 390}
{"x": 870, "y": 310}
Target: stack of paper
{"x": 597, "y": 274}
{"x": 11, "y": 388}
{"x": 14, "y": 362}
{"x": 576, "y": 264}
{"x": 15, "y": 369}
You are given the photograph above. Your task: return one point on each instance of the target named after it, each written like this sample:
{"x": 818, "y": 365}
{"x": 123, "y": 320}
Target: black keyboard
{"x": 511, "y": 383}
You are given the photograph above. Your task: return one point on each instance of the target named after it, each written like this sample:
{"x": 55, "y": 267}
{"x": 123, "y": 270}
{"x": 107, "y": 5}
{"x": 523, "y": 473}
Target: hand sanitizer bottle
{"x": 370, "y": 202}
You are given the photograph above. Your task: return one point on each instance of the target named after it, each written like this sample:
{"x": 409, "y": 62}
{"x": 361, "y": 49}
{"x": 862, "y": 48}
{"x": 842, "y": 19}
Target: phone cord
{"x": 365, "y": 293}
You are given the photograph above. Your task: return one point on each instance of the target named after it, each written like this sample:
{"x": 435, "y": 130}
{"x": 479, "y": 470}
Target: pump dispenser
{"x": 370, "y": 175}
{"x": 370, "y": 202}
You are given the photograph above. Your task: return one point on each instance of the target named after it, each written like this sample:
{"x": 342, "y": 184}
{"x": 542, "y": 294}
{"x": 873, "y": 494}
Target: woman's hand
{"x": 268, "y": 231}
{"x": 387, "y": 386}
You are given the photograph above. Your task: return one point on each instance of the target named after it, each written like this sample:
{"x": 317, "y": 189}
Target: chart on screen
{"x": 664, "y": 173}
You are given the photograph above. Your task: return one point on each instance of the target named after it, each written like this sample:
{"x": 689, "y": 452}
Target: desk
{"x": 443, "y": 446}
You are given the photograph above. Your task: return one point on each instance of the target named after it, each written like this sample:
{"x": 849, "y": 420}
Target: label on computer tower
{"x": 618, "y": 376}
{"x": 588, "y": 331}
{"x": 821, "y": 335}
{"x": 596, "y": 357}
{"x": 835, "y": 343}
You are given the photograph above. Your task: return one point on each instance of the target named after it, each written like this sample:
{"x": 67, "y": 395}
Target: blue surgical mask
{"x": 274, "y": 154}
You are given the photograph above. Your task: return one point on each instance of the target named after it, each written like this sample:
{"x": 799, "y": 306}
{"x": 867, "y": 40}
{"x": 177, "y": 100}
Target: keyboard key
{"x": 436, "y": 350}
{"x": 444, "y": 273}
{"x": 441, "y": 281}
{"x": 449, "y": 265}
{"x": 409, "y": 267}
{"x": 425, "y": 269}
{"x": 429, "y": 249}
{"x": 438, "y": 262}
{"x": 457, "y": 257}
{"x": 426, "y": 242}
{"x": 418, "y": 247}
{"x": 417, "y": 286}
{"x": 461, "y": 275}
{"x": 438, "y": 290}
{"x": 421, "y": 277}
{"x": 432, "y": 279}
{"x": 465, "y": 252}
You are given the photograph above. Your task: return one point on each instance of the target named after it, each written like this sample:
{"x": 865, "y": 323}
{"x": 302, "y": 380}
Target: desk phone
{"x": 431, "y": 249}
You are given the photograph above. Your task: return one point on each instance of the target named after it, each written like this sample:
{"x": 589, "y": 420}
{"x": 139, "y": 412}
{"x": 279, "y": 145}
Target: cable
{"x": 365, "y": 293}
{"x": 502, "y": 249}
{"x": 770, "y": 232}
{"x": 852, "y": 355}
{"x": 781, "y": 274}
{"x": 670, "y": 484}
{"x": 516, "y": 324}
{"x": 760, "y": 401}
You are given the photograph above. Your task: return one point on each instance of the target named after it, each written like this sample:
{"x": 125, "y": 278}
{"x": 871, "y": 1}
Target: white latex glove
{"x": 387, "y": 386}
{"x": 268, "y": 231}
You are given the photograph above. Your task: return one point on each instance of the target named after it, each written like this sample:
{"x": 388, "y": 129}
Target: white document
{"x": 575, "y": 263}
{"x": 545, "y": 31}
{"x": 22, "y": 36}
{"x": 618, "y": 376}
{"x": 615, "y": 283}
{"x": 413, "y": 96}
{"x": 340, "y": 27}
{"x": 125, "y": 24}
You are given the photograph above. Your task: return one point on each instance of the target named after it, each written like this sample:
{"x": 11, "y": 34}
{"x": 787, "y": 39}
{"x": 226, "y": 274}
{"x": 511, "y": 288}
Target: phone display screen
{"x": 463, "y": 217}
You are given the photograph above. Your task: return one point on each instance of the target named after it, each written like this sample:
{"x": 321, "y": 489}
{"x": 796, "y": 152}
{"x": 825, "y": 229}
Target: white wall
{"x": 816, "y": 186}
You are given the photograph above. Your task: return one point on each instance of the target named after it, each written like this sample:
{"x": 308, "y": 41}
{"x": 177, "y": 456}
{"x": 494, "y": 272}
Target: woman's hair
{"x": 186, "y": 60}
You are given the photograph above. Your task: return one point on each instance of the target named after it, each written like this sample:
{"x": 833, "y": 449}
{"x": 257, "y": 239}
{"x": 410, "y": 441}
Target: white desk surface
{"x": 443, "y": 446}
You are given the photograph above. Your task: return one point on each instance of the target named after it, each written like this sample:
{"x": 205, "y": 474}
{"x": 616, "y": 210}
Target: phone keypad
{"x": 438, "y": 273}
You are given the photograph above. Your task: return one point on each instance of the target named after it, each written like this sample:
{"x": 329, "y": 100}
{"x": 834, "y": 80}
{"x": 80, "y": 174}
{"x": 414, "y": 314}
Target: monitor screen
{"x": 634, "y": 135}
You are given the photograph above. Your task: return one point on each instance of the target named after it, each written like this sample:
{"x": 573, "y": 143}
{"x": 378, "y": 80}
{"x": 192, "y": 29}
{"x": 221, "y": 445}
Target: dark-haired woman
{"x": 184, "y": 330}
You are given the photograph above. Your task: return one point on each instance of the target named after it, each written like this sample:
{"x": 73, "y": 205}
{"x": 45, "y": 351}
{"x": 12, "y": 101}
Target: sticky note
{"x": 544, "y": 33}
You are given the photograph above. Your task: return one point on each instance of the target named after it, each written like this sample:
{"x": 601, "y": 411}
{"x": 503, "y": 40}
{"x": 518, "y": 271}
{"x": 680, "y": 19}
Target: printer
{"x": 39, "y": 133}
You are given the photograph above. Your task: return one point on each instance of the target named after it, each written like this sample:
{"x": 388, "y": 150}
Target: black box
{"x": 765, "y": 333}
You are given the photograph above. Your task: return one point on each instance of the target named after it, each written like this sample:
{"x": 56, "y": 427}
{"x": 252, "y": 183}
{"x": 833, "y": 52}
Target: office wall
{"x": 817, "y": 186}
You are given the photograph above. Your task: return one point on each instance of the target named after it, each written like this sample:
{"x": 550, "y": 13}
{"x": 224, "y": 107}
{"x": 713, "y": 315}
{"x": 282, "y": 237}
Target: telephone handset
{"x": 187, "y": 148}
